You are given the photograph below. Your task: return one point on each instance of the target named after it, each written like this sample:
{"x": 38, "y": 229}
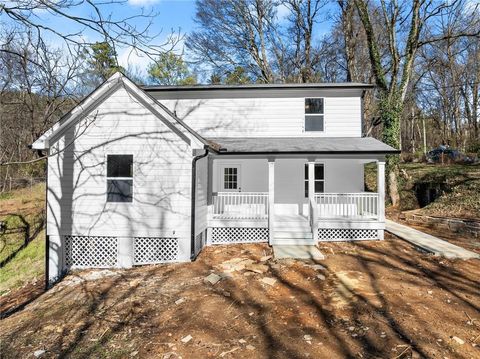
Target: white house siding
{"x": 341, "y": 176}
{"x": 267, "y": 114}
{"x": 77, "y": 179}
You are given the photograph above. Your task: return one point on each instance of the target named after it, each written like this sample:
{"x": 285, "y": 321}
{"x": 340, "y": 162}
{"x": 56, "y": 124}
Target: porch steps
{"x": 292, "y": 237}
{"x": 296, "y": 226}
{"x": 292, "y": 230}
{"x": 292, "y": 242}
{"x": 292, "y": 234}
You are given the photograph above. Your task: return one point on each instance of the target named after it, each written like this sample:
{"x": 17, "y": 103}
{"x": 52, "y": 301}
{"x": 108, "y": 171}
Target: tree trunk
{"x": 412, "y": 128}
{"x": 347, "y": 8}
{"x": 391, "y": 108}
{"x": 424, "y": 136}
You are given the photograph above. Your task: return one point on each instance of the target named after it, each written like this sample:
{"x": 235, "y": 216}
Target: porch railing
{"x": 362, "y": 205}
{"x": 239, "y": 205}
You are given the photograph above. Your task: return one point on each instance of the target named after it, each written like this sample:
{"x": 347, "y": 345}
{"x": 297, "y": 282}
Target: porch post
{"x": 311, "y": 199}
{"x": 271, "y": 198}
{"x": 311, "y": 181}
{"x": 381, "y": 193}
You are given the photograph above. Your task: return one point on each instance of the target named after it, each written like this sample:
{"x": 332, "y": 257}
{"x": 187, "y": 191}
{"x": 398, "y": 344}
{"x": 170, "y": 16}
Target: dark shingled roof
{"x": 324, "y": 85}
{"x": 325, "y": 145}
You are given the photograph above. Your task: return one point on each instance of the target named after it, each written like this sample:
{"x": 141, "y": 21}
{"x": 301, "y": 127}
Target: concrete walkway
{"x": 297, "y": 251}
{"x": 428, "y": 243}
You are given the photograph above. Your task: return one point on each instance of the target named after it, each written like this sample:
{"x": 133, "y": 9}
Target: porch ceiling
{"x": 319, "y": 145}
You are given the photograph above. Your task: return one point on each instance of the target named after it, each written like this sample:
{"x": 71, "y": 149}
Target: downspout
{"x": 194, "y": 188}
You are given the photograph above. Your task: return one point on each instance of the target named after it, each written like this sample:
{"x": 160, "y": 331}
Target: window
{"x": 319, "y": 178}
{"x": 119, "y": 178}
{"x": 230, "y": 178}
{"x": 314, "y": 112}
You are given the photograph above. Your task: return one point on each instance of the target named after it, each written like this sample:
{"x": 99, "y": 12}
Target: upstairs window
{"x": 119, "y": 178}
{"x": 319, "y": 178}
{"x": 314, "y": 112}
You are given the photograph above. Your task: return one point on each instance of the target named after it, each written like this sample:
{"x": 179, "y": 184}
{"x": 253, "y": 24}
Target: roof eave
{"x": 264, "y": 87}
{"x": 380, "y": 152}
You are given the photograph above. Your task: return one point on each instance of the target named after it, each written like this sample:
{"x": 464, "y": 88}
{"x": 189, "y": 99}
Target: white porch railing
{"x": 363, "y": 205}
{"x": 239, "y": 205}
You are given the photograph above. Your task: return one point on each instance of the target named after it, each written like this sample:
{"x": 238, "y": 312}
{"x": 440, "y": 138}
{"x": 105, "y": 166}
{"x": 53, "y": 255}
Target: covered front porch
{"x": 294, "y": 200}
{"x": 295, "y": 191}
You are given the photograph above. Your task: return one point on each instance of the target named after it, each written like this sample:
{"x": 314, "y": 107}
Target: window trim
{"x": 324, "y": 178}
{"x": 222, "y": 180}
{"x": 313, "y": 114}
{"x": 120, "y": 178}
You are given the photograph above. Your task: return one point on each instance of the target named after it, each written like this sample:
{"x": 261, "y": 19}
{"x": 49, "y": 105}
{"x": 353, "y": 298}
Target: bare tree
{"x": 100, "y": 22}
{"x": 347, "y": 18}
{"x": 248, "y": 34}
{"x": 408, "y": 27}
{"x": 38, "y": 85}
{"x": 235, "y": 33}
{"x": 304, "y": 15}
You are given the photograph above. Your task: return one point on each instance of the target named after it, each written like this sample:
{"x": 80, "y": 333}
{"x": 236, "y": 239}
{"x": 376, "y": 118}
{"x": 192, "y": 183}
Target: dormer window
{"x": 314, "y": 120}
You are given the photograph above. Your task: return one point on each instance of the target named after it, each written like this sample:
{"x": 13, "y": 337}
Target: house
{"x": 154, "y": 174}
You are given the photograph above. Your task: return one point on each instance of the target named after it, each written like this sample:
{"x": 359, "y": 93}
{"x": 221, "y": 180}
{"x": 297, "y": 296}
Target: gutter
{"x": 224, "y": 152}
{"x": 194, "y": 188}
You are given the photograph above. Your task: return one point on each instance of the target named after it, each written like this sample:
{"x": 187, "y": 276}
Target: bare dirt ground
{"x": 366, "y": 300}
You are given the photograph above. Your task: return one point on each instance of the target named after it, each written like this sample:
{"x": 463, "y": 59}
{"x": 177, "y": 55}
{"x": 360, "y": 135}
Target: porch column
{"x": 271, "y": 198}
{"x": 311, "y": 199}
{"x": 311, "y": 181}
{"x": 381, "y": 190}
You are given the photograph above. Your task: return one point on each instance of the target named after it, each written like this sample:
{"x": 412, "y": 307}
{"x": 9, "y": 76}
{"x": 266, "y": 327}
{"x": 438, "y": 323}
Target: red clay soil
{"x": 372, "y": 300}
{"x": 19, "y": 298}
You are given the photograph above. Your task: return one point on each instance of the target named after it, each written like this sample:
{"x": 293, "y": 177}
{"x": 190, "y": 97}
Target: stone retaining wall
{"x": 466, "y": 227}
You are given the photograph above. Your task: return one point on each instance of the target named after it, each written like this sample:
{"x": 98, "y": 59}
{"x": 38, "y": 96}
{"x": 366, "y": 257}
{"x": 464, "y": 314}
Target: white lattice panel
{"x": 224, "y": 235}
{"x": 91, "y": 252}
{"x": 346, "y": 234}
{"x": 151, "y": 250}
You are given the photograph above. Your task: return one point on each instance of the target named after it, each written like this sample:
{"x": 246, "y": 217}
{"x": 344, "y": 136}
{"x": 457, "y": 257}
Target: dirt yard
{"x": 366, "y": 300}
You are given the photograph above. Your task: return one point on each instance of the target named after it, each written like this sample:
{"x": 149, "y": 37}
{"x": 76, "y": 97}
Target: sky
{"x": 171, "y": 15}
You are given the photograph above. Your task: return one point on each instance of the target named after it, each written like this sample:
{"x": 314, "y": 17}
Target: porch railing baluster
{"x": 240, "y": 205}
{"x": 347, "y": 205}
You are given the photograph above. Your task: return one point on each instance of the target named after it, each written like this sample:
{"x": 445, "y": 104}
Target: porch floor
{"x": 297, "y": 252}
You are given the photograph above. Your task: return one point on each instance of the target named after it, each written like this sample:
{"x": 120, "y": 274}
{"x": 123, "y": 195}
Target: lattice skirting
{"x": 346, "y": 234}
{"x": 88, "y": 251}
{"x": 152, "y": 250}
{"x": 229, "y": 235}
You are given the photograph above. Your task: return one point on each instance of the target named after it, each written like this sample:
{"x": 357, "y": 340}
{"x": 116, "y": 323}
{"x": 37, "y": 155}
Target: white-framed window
{"x": 230, "y": 177}
{"x": 119, "y": 178}
{"x": 314, "y": 115}
{"x": 319, "y": 178}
